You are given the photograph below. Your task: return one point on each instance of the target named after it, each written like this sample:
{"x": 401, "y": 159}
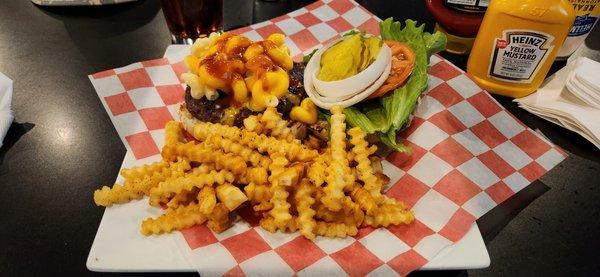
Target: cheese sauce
{"x": 229, "y": 64}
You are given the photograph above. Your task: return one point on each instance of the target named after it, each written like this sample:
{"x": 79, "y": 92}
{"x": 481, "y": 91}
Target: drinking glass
{"x": 190, "y": 19}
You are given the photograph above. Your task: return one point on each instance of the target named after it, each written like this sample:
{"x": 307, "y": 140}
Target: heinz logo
{"x": 501, "y": 44}
{"x": 525, "y": 39}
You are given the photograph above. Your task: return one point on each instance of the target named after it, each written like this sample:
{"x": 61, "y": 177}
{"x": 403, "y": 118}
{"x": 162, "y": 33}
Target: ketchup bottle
{"x": 459, "y": 20}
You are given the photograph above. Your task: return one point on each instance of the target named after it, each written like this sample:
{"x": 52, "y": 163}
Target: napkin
{"x": 570, "y": 98}
{"x": 583, "y": 84}
{"x": 6, "y": 117}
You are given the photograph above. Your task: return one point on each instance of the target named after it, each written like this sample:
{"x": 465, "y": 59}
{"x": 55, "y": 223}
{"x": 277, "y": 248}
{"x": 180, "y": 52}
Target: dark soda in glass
{"x": 190, "y": 19}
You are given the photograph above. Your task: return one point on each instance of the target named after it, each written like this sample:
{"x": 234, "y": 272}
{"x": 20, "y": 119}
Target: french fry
{"x": 280, "y": 211}
{"x": 268, "y": 223}
{"x": 181, "y": 199}
{"x": 317, "y": 170}
{"x": 173, "y": 133}
{"x": 365, "y": 200}
{"x": 256, "y": 175}
{"x": 338, "y": 169}
{"x": 304, "y": 201}
{"x": 231, "y": 196}
{"x": 205, "y": 154}
{"x": 188, "y": 182}
{"x": 360, "y": 149}
{"x": 207, "y": 199}
{"x": 332, "y": 230}
{"x": 138, "y": 187}
{"x": 139, "y": 172}
{"x": 275, "y": 125}
{"x": 248, "y": 154}
{"x": 174, "y": 219}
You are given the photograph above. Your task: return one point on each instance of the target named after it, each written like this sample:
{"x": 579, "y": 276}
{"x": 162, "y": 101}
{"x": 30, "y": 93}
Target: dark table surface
{"x": 62, "y": 144}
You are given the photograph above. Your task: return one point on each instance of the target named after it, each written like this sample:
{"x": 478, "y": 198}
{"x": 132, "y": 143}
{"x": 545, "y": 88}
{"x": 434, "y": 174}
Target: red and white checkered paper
{"x": 469, "y": 154}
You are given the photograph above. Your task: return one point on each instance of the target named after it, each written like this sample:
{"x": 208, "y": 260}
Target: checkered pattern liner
{"x": 469, "y": 154}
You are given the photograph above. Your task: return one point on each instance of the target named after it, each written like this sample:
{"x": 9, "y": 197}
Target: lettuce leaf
{"x": 371, "y": 119}
{"x": 352, "y": 32}
{"x": 323, "y": 114}
{"x": 391, "y": 114}
{"x": 308, "y": 56}
{"x": 391, "y": 140}
{"x": 434, "y": 43}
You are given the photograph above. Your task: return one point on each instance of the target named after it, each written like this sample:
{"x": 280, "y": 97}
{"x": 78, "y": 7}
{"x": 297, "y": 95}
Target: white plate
{"x": 120, "y": 247}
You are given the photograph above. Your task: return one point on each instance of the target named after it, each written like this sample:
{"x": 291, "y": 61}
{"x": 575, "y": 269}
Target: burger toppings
{"x": 231, "y": 77}
{"x": 252, "y": 74}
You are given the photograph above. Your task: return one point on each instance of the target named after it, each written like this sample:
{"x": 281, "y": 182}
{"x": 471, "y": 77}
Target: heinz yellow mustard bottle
{"x": 517, "y": 43}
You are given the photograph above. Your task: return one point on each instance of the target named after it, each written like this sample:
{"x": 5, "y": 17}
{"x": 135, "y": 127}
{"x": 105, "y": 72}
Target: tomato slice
{"x": 403, "y": 62}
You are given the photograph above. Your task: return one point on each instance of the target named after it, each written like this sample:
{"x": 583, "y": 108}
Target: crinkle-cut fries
{"x": 326, "y": 192}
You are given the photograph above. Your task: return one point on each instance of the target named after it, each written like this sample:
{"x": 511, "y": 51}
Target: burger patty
{"x": 203, "y": 109}
{"x": 213, "y": 111}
